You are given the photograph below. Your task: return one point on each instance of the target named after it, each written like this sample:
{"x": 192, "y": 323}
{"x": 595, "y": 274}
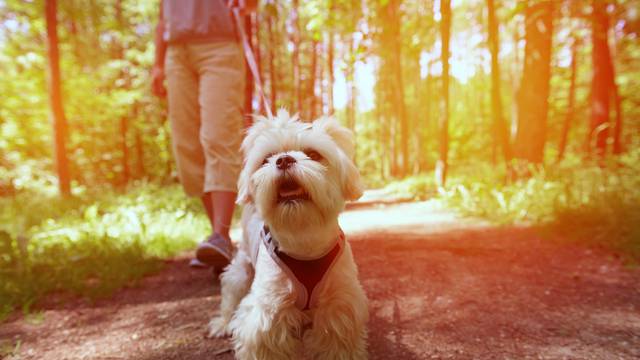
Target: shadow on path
{"x": 437, "y": 288}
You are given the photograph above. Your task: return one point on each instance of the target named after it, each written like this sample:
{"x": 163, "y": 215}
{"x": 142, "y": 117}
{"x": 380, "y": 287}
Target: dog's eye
{"x": 313, "y": 155}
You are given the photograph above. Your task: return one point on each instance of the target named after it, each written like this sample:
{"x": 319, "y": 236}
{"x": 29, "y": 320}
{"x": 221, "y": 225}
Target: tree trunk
{"x": 272, "y": 57}
{"x": 330, "y": 49}
{"x": 124, "y": 129}
{"x": 124, "y": 121}
{"x": 443, "y": 121}
{"x": 617, "y": 129}
{"x": 533, "y": 97}
{"x": 140, "y": 154}
{"x": 601, "y": 81}
{"x": 429, "y": 121}
{"x": 501, "y": 132}
{"x": 568, "y": 119}
{"x": 332, "y": 78}
{"x": 398, "y": 92}
{"x": 312, "y": 82}
{"x": 350, "y": 83}
{"x": 320, "y": 81}
{"x": 249, "y": 82}
{"x": 297, "y": 81}
{"x": 617, "y": 102}
{"x": 255, "y": 26}
{"x": 390, "y": 75}
{"x": 513, "y": 130}
{"x": 55, "y": 100}
{"x": 416, "y": 123}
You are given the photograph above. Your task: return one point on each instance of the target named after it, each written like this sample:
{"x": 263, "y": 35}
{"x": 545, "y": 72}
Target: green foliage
{"x": 8, "y": 347}
{"x": 105, "y": 60}
{"x": 92, "y": 244}
{"x": 595, "y": 205}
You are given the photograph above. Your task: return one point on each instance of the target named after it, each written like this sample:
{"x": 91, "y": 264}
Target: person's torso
{"x": 197, "y": 21}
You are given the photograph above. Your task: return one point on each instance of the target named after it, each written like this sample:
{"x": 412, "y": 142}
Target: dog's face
{"x": 298, "y": 174}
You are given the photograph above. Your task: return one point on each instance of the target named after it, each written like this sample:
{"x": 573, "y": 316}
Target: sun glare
{"x": 364, "y": 82}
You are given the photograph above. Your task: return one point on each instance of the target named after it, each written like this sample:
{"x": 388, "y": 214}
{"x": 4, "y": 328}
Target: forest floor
{"x": 440, "y": 287}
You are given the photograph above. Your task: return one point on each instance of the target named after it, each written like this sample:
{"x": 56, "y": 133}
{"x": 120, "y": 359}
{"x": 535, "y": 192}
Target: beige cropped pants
{"x": 206, "y": 96}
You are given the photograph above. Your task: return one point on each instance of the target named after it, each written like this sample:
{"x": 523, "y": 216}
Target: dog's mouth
{"x": 290, "y": 190}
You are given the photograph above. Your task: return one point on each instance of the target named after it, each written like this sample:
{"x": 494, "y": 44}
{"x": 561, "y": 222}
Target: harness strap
{"x": 306, "y": 274}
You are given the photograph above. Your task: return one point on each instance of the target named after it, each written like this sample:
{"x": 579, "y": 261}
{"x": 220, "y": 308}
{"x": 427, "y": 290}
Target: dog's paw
{"x": 218, "y": 327}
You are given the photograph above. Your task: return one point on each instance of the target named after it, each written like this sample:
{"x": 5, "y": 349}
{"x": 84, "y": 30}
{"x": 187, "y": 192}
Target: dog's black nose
{"x": 284, "y": 162}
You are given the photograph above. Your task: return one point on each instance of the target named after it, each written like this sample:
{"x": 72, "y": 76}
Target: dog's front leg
{"x": 262, "y": 331}
{"x": 339, "y": 331}
{"x": 235, "y": 282}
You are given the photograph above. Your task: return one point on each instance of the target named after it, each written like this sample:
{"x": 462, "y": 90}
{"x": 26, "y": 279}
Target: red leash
{"x": 251, "y": 60}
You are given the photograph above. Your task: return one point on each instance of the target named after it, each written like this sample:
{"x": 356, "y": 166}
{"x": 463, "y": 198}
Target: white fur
{"x": 258, "y": 304}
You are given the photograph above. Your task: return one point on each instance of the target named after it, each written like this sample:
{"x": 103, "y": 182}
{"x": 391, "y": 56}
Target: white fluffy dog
{"x": 292, "y": 289}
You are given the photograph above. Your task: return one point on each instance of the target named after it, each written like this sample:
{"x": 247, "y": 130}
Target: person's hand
{"x": 236, "y": 4}
{"x": 244, "y": 6}
{"x": 157, "y": 81}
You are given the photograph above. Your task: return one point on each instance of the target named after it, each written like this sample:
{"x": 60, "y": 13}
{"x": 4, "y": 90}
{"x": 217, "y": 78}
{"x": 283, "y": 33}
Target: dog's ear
{"x": 244, "y": 194}
{"x": 352, "y": 187}
{"x": 343, "y": 137}
{"x": 260, "y": 125}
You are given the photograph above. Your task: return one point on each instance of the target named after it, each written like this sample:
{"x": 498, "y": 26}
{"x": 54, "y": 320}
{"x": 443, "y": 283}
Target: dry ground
{"x": 439, "y": 287}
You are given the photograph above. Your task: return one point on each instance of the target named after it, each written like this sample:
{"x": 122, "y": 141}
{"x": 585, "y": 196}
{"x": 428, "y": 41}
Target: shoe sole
{"x": 211, "y": 257}
{"x": 196, "y": 264}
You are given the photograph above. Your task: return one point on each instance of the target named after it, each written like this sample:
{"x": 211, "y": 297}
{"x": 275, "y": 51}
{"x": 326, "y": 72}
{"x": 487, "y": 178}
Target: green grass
{"x": 595, "y": 205}
{"x": 91, "y": 244}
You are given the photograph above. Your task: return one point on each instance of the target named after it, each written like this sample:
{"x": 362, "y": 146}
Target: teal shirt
{"x": 197, "y": 21}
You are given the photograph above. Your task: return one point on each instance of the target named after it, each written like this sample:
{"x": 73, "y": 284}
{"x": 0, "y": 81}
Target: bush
{"x": 90, "y": 244}
{"x": 596, "y": 205}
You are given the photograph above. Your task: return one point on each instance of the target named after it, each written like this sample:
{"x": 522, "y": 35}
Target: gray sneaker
{"x": 215, "y": 251}
{"x": 197, "y": 264}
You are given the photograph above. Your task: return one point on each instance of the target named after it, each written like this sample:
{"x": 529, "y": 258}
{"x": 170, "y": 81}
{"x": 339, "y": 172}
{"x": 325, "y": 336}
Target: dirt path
{"x": 439, "y": 288}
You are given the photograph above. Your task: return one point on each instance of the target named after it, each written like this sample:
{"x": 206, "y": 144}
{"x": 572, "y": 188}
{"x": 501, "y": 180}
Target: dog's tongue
{"x": 290, "y": 188}
{"x": 287, "y": 193}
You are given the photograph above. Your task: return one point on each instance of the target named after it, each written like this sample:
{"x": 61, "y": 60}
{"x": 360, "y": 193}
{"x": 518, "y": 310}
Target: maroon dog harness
{"x": 306, "y": 274}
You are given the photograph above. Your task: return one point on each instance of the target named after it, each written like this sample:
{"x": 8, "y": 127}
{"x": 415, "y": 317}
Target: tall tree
{"x": 533, "y": 96}
{"x": 257, "y": 50}
{"x": 249, "y": 80}
{"x": 313, "y": 107}
{"x": 602, "y": 75}
{"x": 124, "y": 119}
{"x": 443, "y": 122}
{"x": 603, "y": 86}
{"x": 617, "y": 127}
{"x": 350, "y": 74}
{"x": 392, "y": 85}
{"x": 55, "y": 99}
{"x": 330, "y": 55}
{"x": 568, "y": 118}
{"x": 501, "y": 133}
{"x": 139, "y": 144}
{"x": 271, "y": 11}
{"x": 399, "y": 92}
{"x": 297, "y": 78}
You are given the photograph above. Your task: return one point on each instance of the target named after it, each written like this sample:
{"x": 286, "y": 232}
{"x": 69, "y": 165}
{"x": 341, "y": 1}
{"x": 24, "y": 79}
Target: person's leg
{"x": 223, "y": 205}
{"x": 221, "y": 98}
{"x": 207, "y": 203}
{"x": 184, "y": 117}
{"x": 219, "y": 206}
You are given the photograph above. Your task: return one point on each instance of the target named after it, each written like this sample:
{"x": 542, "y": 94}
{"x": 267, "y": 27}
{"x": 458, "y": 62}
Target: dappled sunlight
{"x": 421, "y": 217}
{"x": 498, "y": 141}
